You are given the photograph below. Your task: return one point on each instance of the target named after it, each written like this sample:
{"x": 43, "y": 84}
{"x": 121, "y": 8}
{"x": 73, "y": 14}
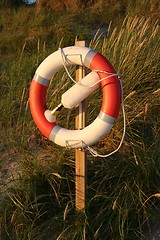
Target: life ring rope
{"x": 92, "y": 151}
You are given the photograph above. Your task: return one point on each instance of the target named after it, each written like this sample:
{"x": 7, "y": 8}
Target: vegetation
{"x": 38, "y": 201}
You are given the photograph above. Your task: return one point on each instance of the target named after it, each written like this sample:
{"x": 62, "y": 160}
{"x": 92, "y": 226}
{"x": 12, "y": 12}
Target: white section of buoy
{"x": 48, "y": 115}
{"x": 76, "y": 94}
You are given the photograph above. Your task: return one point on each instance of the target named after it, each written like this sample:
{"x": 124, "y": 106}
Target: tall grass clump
{"x": 123, "y": 190}
{"x": 134, "y": 51}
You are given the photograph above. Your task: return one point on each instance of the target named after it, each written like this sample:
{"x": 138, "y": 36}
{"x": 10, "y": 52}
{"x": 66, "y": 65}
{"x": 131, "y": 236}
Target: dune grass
{"x": 123, "y": 190}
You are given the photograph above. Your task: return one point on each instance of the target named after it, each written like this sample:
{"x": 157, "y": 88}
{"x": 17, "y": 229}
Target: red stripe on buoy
{"x": 110, "y": 87}
{"x": 37, "y": 97}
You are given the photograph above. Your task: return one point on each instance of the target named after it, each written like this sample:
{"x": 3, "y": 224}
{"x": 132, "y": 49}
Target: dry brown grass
{"x": 59, "y": 5}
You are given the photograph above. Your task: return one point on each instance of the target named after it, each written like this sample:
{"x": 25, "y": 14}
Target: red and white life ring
{"x": 110, "y": 104}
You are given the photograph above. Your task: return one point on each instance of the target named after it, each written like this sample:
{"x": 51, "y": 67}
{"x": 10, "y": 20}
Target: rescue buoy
{"x": 102, "y": 74}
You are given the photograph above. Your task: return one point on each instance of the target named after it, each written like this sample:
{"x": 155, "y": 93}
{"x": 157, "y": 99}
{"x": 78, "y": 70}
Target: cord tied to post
{"x": 57, "y": 109}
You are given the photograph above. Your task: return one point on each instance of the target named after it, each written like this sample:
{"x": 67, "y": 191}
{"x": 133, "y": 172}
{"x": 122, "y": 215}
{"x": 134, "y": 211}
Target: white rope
{"x": 63, "y": 61}
{"x": 94, "y": 152}
{"x": 91, "y": 150}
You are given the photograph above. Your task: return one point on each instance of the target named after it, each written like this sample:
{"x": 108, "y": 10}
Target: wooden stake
{"x": 80, "y": 161}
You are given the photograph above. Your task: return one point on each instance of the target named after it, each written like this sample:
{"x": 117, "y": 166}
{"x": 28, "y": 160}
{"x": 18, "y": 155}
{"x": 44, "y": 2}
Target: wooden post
{"x": 80, "y": 161}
